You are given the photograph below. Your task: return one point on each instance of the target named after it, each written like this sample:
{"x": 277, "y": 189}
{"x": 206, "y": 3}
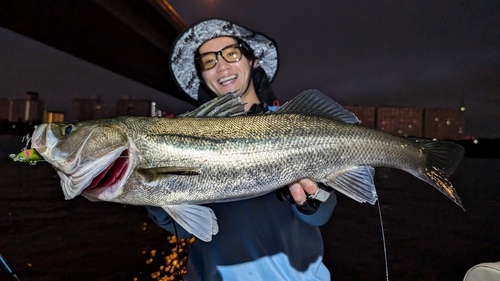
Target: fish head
{"x": 88, "y": 156}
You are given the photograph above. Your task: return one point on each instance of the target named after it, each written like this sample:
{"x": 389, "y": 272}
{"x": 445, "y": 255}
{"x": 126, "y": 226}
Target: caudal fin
{"x": 442, "y": 159}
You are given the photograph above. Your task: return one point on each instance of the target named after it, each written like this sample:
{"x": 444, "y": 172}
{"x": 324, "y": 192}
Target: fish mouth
{"x": 112, "y": 175}
{"x": 111, "y": 172}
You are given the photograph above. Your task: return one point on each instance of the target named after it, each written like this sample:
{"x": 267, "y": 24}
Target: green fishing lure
{"x": 30, "y": 156}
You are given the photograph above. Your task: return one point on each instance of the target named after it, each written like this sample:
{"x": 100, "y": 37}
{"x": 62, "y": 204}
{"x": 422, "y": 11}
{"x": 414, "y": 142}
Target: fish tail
{"x": 442, "y": 160}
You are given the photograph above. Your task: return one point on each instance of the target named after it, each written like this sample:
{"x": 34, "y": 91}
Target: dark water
{"x": 428, "y": 237}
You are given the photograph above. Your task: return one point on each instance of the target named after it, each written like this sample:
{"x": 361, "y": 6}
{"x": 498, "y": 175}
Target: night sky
{"x": 425, "y": 54}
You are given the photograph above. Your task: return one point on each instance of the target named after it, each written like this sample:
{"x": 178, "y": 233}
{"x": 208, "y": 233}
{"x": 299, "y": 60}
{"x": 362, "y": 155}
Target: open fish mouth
{"x": 112, "y": 175}
{"x": 102, "y": 179}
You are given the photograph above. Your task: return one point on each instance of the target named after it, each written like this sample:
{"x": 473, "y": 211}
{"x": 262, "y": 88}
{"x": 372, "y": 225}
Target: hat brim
{"x": 182, "y": 56}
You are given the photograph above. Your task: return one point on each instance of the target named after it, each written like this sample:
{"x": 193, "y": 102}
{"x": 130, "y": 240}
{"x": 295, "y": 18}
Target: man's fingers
{"x": 300, "y": 188}
{"x": 298, "y": 194}
{"x": 309, "y": 186}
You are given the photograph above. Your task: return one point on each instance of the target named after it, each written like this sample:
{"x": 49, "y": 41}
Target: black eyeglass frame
{"x": 237, "y": 45}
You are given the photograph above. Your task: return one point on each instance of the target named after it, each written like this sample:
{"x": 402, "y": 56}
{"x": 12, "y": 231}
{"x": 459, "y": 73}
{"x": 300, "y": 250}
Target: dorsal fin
{"x": 223, "y": 106}
{"x": 316, "y": 103}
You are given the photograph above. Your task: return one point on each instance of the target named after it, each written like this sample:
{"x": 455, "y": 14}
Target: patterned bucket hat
{"x": 182, "y": 62}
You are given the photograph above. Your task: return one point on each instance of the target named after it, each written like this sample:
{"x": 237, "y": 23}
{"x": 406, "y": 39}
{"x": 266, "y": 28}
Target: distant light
{"x": 13, "y": 126}
{"x": 153, "y": 109}
{"x": 97, "y": 107}
{"x": 476, "y": 141}
{"x": 448, "y": 122}
{"x": 436, "y": 119}
{"x": 410, "y": 126}
{"x": 27, "y": 111}
{"x": 462, "y": 108}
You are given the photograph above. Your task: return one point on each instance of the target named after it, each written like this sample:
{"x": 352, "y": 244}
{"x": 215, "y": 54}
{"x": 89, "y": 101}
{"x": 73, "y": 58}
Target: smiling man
{"x": 266, "y": 237}
{"x": 227, "y": 65}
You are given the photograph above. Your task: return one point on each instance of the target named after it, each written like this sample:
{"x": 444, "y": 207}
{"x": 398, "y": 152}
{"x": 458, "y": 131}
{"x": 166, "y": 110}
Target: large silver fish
{"x": 214, "y": 154}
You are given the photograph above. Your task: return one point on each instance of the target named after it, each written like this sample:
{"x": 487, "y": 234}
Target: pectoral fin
{"x": 195, "y": 219}
{"x": 155, "y": 174}
{"x": 356, "y": 183}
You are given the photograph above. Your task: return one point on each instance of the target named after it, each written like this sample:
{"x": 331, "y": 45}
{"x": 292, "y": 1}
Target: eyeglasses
{"x": 231, "y": 53}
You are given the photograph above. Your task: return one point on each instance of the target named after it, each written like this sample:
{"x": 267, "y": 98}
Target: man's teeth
{"x": 227, "y": 78}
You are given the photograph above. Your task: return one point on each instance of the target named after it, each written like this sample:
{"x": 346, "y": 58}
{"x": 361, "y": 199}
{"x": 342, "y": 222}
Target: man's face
{"x": 225, "y": 77}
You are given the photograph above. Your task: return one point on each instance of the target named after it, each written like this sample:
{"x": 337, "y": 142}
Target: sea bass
{"x": 217, "y": 154}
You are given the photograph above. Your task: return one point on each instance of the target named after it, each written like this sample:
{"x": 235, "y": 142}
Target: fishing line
{"x": 383, "y": 240}
{"x": 179, "y": 271}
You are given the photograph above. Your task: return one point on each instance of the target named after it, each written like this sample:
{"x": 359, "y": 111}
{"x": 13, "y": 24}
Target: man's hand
{"x": 305, "y": 194}
{"x": 301, "y": 189}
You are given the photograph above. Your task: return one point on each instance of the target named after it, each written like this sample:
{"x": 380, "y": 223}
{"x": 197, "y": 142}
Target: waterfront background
{"x": 428, "y": 237}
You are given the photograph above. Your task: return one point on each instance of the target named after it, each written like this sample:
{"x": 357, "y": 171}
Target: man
{"x": 263, "y": 238}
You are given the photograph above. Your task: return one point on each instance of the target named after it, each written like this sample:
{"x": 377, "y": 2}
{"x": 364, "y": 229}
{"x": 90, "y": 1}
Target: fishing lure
{"x": 27, "y": 155}
{"x": 30, "y": 156}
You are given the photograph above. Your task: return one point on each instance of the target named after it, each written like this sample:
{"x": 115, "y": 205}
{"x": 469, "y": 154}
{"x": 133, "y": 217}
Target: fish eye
{"x": 69, "y": 129}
